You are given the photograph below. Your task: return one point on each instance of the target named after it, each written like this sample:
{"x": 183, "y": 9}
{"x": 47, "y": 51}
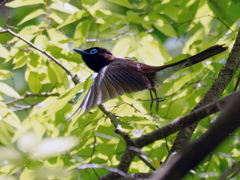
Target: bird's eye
{"x": 93, "y": 51}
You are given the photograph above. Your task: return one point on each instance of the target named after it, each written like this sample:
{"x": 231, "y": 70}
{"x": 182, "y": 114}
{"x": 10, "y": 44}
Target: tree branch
{"x": 184, "y": 121}
{"x": 213, "y": 94}
{"x": 137, "y": 176}
{"x": 116, "y": 124}
{"x": 195, "y": 152}
{"x": 165, "y": 131}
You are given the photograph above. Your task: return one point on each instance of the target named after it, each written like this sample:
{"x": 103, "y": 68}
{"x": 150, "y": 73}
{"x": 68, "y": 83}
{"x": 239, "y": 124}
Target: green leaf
{"x": 67, "y": 8}
{"x": 55, "y": 36}
{"x": 32, "y": 15}
{"x": 124, "y": 3}
{"x": 29, "y": 172}
{"x": 57, "y": 76}
{"x": 34, "y": 83}
{"x": 9, "y": 117}
{"x": 121, "y": 48}
{"x": 6, "y": 89}
{"x": 108, "y": 146}
{"x": 41, "y": 41}
{"x": 81, "y": 32}
{"x": 28, "y": 33}
{"x": 4, "y": 177}
{"x": 64, "y": 1}
{"x": 49, "y": 147}
{"x": 5, "y": 137}
{"x": 43, "y": 170}
{"x": 72, "y": 18}
{"x": 28, "y": 30}
{"x": 11, "y": 156}
{"x": 167, "y": 29}
{"x": 20, "y": 3}
{"x": 5, "y": 74}
{"x": 151, "y": 52}
{"x": 56, "y": 17}
{"x": 38, "y": 126}
{"x": 53, "y": 75}
{"x": 4, "y": 52}
{"x": 65, "y": 98}
{"x": 20, "y": 59}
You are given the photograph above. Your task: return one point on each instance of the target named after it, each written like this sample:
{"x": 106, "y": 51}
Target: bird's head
{"x": 96, "y": 57}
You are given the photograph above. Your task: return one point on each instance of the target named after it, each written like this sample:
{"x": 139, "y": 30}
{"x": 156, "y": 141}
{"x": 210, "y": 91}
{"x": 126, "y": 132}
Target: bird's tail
{"x": 165, "y": 71}
{"x": 212, "y": 51}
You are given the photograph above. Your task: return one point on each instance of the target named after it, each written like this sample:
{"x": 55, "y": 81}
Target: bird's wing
{"x": 117, "y": 78}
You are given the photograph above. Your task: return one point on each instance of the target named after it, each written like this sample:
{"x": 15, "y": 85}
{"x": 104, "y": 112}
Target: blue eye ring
{"x": 93, "y": 51}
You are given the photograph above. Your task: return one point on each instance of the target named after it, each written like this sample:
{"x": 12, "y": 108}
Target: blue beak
{"x": 80, "y": 51}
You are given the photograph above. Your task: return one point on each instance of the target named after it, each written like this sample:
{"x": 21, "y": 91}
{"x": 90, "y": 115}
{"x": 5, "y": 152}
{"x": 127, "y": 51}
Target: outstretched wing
{"x": 117, "y": 78}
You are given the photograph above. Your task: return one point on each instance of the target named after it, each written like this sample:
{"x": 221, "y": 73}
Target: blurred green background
{"x": 35, "y": 92}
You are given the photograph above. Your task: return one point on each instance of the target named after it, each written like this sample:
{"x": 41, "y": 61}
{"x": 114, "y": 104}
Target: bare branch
{"x": 116, "y": 124}
{"x": 183, "y": 122}
{"x": 213, "y": 94}
{"x": 137, "y": 176}
{"x": 85, "y": 166}
{"x": 194, "y": 153}
{"x": 146, "y": 161}
{"x": 165, "y": 131}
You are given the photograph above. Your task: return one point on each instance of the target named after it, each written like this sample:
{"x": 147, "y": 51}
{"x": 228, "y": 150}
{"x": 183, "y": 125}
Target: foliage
{"x": 36, "y": 140}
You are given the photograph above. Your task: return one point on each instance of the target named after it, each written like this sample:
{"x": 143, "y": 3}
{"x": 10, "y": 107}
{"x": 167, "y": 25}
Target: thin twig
{"x": 94, "y": 146}
{"x": 116, "y": 124}
{"x": 127, "y": 104}
{"x": 37, "y": 48}
{"x": 114, "y": 170}
{"x": 28, "y": 94}
{"x": 146, "y": 161}
{"x": 112, "y": 39}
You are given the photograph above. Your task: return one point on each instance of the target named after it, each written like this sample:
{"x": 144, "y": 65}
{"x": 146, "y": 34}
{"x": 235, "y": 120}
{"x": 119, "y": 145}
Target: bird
{"x": 117, "y": 76}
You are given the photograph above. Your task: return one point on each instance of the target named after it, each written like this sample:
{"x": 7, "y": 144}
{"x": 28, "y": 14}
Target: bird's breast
{"x": 97, "y": 64}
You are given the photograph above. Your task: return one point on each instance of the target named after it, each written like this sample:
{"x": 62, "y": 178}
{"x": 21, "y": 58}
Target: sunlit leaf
{"x": 6, "y": 177}
{"x": 81, "y": 32}
{"x": 41, "y": 41}
{"x": 19, "y": 3}
{"x": 124, "y": 3}
{"x": 4, "y": 52}
{"x": 9, "y": 117}
{"x": 151, "y": 52}
{"x": 66, "y": 8}
{"x": 65, "y": 98}
{"x": 20, "y": 59}
{"x": 10, "y": 156}
{"x": 38, "y": 127}
{"x": 32, "y": 15}
{"x": 166, "y": 28}
{"x": 40, "y": 144}
{"x": 5, "y": 74}
{"x": 6, "y": 89}
{"x": 56, "y": 17}
{"x": 121, "y": 47}
{"x": 34, "y": 82}
{"x": 53, "y": 147}
{"x": 72, "y": 18}
{"x": 5, "y": 134}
